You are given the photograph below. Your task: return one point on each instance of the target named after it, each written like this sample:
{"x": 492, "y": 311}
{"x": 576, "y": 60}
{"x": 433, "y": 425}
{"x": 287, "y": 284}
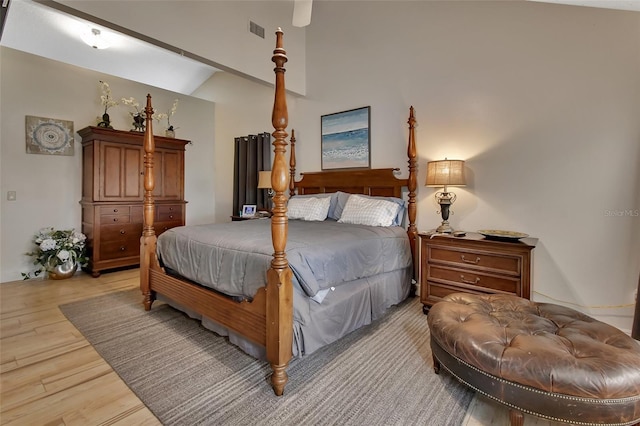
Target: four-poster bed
{"x": 264, "y": 314}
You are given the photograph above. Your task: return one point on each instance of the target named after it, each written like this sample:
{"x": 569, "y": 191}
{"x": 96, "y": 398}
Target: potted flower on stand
{"x": 58, "y": 252}
{"x": 138, "y": 118}
{"x": 170, "y": 131}
{"x": 107, "y": 101}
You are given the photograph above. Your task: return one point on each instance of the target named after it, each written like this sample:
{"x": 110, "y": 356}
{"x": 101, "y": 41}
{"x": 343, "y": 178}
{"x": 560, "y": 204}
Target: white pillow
{"x": 369, "y": 211}
{"x": 312, "y": 208}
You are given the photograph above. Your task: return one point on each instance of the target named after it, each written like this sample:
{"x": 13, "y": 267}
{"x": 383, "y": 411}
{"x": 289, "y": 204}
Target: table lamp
{"x": 264, "y": 182}
{"x": 445, "y": 173}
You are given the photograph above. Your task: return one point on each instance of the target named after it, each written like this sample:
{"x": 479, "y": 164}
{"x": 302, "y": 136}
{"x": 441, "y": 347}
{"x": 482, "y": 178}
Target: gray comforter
{"x": 233, "y": 258}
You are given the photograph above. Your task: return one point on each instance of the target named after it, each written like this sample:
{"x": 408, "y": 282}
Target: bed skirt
{"x": 345, "y": 309}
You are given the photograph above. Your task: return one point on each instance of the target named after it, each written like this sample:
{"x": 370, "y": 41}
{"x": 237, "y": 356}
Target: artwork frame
{"x": 249, "y": 210}
{"x": 346, "y": 139}
{"x": 49, "y": 136}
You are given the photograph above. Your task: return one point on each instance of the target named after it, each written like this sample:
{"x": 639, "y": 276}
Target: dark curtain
{"x": 252, "y": 154}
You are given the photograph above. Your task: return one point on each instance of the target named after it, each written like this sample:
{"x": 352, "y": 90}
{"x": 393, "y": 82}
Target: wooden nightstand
{"x": 473, "y": 264}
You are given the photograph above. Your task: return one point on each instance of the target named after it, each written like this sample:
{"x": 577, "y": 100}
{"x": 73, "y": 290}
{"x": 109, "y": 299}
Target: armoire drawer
{"x": 120, "y": 232}
{"x": 118, "y": 249}
{"x": 169, "y": 212}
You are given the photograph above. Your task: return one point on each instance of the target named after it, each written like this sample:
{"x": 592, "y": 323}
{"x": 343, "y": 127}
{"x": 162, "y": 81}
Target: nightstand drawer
{"x": 438, "y": 291}
{"x": 121, "y": 232}
{"x": 118, "y": 249}
{"x": 467, "y": 279}
{"x": 469, "y": 258}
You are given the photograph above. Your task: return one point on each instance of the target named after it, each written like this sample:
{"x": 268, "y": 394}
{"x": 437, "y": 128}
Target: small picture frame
{"x": 248, "y": 210}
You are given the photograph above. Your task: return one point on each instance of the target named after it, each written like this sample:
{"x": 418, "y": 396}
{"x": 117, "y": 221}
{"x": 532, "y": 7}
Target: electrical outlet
{"x": 11, "y": 195}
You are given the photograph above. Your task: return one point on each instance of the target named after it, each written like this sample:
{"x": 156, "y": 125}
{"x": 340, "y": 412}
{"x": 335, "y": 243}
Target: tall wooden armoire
{"x": 113, "y": 188}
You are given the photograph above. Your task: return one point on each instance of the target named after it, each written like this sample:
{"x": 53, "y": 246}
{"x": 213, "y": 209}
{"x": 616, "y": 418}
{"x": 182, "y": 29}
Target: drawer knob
{"x": 170, "y": 216}
{"x": 123, "y": 248}
{"x": 473, "y": 262}
{"x": 477, "y": 280}
{"x": 122, "y": 231}
{"x": 115, "y": 210}
{"x": 170, "y": 209}
{"x": 115, "y": 219}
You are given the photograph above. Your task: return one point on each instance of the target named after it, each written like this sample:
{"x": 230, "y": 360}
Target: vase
{"x": 138, "y": 123}
{"x": 170, "y": 133}
{"x": 106, "y": 121}
{"x": 62, "y": 271}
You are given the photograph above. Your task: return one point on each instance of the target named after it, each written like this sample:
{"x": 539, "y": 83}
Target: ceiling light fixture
{"x": 94, "y": 38}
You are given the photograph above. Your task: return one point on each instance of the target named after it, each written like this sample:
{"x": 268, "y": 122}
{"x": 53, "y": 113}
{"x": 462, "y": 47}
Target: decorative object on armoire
{"x": 252, "y": 154}
{"x": 113, "y": 189}
{"x": 48, "y": 136}
{"x": 445, "y": 173}
{"x": 138, "y": 116}
{"x": 346, "y": 140}
{"x": 107, "y": 101}
{"x": 58, "y": 252}
{"x": 170, "y": 132}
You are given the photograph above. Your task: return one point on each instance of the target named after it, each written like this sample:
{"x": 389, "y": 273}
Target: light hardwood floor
{"x": 50, "y": 375}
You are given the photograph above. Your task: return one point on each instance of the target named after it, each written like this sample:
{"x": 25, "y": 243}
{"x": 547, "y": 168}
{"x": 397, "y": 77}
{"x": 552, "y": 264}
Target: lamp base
{"x": 444, "y": 228}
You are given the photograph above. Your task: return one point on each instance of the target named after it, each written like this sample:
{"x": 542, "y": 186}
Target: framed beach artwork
{"x": 346, "y": 139}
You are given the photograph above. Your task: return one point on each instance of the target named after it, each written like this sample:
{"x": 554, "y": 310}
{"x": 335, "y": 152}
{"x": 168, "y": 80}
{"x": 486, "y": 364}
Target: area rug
{"x": 379, "y": 375}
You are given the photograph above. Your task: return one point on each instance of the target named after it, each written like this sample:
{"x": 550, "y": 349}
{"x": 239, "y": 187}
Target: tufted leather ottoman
{"x": 538, "y": 358}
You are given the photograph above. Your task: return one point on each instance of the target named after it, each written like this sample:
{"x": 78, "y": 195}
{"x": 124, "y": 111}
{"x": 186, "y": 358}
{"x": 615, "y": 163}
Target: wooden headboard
{"x": 380, "y": 182}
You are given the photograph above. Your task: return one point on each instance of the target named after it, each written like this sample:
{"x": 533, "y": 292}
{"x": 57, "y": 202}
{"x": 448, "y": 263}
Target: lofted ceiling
{"x": 41, "y": 30}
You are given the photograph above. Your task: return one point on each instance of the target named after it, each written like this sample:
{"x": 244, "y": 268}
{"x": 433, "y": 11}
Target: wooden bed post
{"x": 279, "y": 309}
{"x": 412, "y": 185}
{"x": 148, "y": 239}
{"x": 292, "y": 164}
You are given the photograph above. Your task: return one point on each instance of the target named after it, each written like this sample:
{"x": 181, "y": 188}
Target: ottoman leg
{"x": 436, "y": 364}
{"x": 516, "y": 418}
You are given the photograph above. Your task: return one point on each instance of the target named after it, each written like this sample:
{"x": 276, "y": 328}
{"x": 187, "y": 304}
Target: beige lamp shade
{"x": 445, "y": 173}
{"x": 264, "y": 179}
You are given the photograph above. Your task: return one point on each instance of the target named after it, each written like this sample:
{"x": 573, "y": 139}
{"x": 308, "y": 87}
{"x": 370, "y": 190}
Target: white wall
{"x": 542, "y": 101}
{"x": 48, "y": 187}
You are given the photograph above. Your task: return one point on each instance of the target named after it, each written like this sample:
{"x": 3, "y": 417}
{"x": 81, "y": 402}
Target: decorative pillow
{"x": 332, "y": 206}
{"x": 369, "y": 211}
{"x": 312, "y": 208}
{"x": 343, "y": 197}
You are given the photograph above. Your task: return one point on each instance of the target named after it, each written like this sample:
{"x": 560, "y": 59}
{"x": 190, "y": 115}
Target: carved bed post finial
{"x": 412, "y": 185}
{"x": 292, "y": 164}
{"x": 148, "y": 239}
{"x": 279, "y": 309}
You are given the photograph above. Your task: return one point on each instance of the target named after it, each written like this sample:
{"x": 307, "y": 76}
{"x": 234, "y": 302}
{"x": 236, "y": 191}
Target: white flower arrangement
{"x": 106, "y": 99}
{"x": 168, "y": 115}
{"x": 55, "y": 247}
{"x": 132, "y": 102}
{"x": 138, "y": 117}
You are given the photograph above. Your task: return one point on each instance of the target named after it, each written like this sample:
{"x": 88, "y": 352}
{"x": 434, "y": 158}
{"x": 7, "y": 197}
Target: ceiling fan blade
{"x": 302, "y": 12}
